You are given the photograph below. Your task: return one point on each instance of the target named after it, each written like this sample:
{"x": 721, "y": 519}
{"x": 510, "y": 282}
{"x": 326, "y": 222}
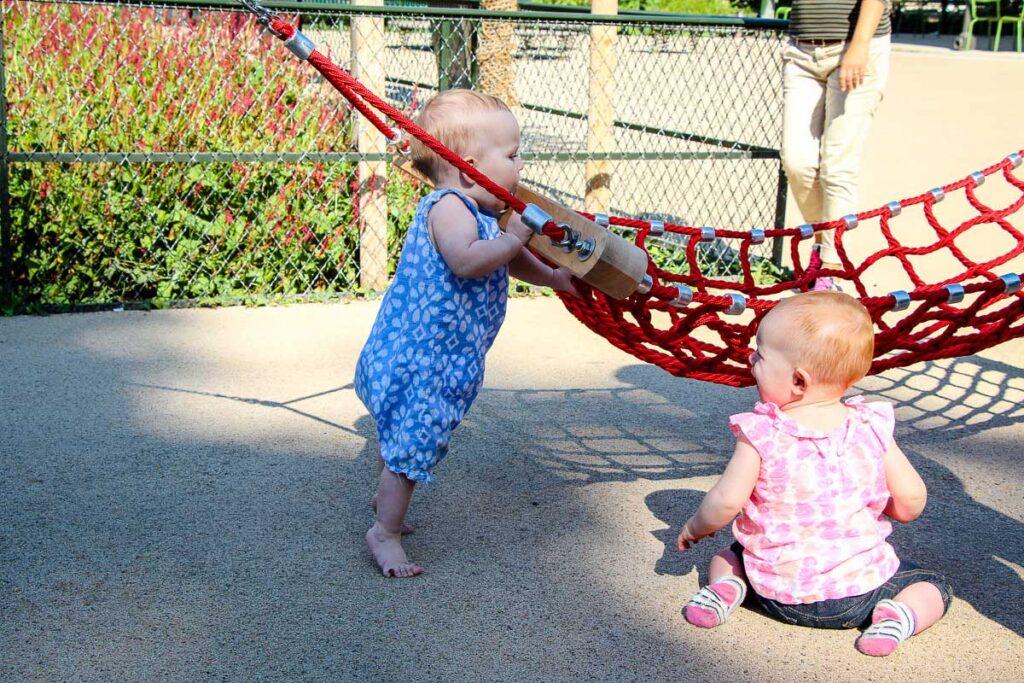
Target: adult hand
{"x": 853, "y": 67}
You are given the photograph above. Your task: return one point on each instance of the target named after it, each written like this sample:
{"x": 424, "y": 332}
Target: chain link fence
{"x": 177, "y": 153}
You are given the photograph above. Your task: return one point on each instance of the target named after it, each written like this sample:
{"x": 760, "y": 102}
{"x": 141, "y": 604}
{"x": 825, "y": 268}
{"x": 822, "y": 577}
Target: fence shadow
{"x": 659, "y": 428}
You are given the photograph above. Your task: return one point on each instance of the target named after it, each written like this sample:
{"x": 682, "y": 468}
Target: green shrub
{"x": 86, "y": 79}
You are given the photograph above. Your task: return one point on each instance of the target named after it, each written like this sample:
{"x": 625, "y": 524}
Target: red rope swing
{"x": 676, "y": 322}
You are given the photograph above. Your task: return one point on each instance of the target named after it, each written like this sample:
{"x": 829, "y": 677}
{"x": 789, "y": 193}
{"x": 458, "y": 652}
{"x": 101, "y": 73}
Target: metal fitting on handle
{"x": 535, "y": 218}
{"x": 569, "y": 239}
{"x": 806, "y": 231}
{"x": 978, "y": 177}
{"x": 657, "y": 228}
{"x": 707, "y": 234}
{"x": 895, "y": 208}
{"x": 756, "y": 236}
{"x": 602, "y": 219}
{"x": 851, "y": 221}
{"x": 684, "y": 295}
{"x": 739, "y": 304}
{"x": 938, "y": 194}
{"x": 901, "y": 299}
{"x": 585, "y": 249}
{"x": 954, "y": 294}
{"x": 301, "y": 46}
{"x": 645, "y": 285}
{"x": 1014, "y": 159}
{"x": 1011, "y": 283}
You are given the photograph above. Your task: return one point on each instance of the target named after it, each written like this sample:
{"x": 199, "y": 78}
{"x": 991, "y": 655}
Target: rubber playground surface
{"x": 186, "y": 492}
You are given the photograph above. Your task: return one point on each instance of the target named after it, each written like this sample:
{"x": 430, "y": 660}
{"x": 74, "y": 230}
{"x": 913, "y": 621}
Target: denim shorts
{"x": 848, "y": 612}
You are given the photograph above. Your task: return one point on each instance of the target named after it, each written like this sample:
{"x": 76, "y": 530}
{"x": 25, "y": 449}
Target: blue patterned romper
{"x": 423, "y": 364}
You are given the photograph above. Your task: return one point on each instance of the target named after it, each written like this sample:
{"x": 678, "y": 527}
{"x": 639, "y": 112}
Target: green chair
{"x": 986, "y": 12}
{"x": 1019, "y": 20}
{"x": 782, "y": 12}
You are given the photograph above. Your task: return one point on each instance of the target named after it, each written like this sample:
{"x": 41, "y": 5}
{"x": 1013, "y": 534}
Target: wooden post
{"x": 494, "y": 54}
{"x": 367, "y": 51}
{"x": 601, "y": 109}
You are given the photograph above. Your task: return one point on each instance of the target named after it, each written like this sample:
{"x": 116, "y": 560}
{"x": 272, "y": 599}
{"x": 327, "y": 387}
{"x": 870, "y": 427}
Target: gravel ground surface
{"x": 186, "y": 492}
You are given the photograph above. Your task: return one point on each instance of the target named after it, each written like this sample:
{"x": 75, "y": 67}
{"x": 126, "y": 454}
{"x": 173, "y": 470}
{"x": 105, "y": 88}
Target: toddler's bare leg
{"x": 725, "y": 563}
{"x": 394, "y": 492}
{"x": 406, "y": 529}
{"x": 926, "y": 601}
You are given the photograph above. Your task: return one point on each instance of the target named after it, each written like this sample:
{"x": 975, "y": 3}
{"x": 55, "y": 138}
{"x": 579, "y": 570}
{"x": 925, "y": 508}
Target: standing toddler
{"x": 423, "y": 364}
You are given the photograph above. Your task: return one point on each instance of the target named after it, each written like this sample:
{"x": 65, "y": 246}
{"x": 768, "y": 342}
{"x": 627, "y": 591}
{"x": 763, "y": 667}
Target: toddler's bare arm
{"x": 454, "y": 231}
{"x": 727, "y": 497}
{"x": 907, "y": 492}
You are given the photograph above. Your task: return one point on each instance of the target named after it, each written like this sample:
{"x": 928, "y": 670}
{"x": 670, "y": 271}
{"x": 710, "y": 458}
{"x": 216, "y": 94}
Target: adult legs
{"x": 803, "y": 117}
{"x": 847, "y": 122}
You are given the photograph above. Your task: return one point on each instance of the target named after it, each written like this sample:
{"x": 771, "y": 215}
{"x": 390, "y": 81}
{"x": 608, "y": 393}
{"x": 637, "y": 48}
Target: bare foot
{"x": 406, "y": 529}
{"x": 388, "y": 553}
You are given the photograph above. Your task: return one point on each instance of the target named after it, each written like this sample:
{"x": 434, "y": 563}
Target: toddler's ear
{"x": 801, "y": 379}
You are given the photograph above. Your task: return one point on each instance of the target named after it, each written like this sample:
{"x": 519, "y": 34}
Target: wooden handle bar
{"x": 615, "y": 266}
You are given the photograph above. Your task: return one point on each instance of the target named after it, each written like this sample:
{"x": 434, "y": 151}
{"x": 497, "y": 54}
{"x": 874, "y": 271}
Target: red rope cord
{"x": 932, "y": 327}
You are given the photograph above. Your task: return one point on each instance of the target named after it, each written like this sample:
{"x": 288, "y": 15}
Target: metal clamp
{"x": 707, "y": 234}
{"x": 535, "y": 218}
{"x": 657, "y": 228}
{"x": 954, "y": 293}
{"x": 902, "y": 300}
{"x": 938, "y": 194}
{"x": 739, "y": 304}
{"x": 602, "y": 219}
{"x": 301, "y": 46}
{"x": 806, "y": 231}
{"x": 684, "y": 295}
{"x": 756, "y": 236}
{"x": 1014, "y": 159}
{"x": 645, "y": 285}
{"x": 895, "y": 208}
{"x": 1011, "y": 283}
{"x": 978, "y": 177}
{"x": 851, "y": 221}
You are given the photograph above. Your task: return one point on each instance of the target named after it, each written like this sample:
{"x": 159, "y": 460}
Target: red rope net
{"x": 698, "y": 326}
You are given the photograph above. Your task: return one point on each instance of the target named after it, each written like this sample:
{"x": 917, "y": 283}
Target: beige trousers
{"x": 824, "y": 130}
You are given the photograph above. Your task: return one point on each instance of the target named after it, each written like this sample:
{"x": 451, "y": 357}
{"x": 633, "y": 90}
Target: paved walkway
{"x": 185, "y": 492}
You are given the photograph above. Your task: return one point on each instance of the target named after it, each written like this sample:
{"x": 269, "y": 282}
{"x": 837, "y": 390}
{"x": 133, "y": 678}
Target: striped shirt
{"x": 830, "y": 19}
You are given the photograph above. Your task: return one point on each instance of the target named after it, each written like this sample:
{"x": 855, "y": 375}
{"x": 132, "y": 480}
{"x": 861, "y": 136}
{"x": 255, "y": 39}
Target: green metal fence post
{"x": 7, "y": 274}
{"x": 780, "y": 215}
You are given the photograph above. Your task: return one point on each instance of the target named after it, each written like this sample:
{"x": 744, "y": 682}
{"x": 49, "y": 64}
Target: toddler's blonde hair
{"x": 444, "y": 117}
{"x": 833, "y": 336}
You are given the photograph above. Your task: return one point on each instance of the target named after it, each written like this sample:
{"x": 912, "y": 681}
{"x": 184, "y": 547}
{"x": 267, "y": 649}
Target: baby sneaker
{"x": 715, "y": 602}
{"x": 825, "y": 284}
{"x": 820, "y": 284}
{"x": 891, "y": 623}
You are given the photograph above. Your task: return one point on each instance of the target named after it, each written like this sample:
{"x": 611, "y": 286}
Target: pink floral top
{"x": 813, "y": 528}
